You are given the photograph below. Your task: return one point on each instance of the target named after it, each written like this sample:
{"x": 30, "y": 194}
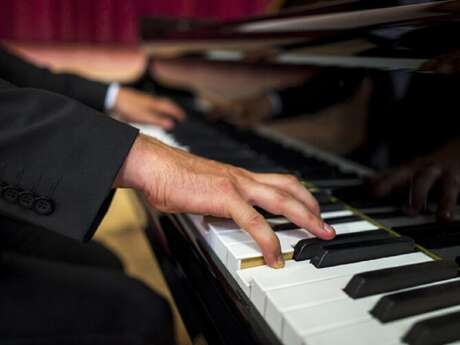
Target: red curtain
{"x": 104, "y": 20}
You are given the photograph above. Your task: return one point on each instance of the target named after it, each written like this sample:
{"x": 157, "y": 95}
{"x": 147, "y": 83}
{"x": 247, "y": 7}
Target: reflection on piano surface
{"x": 390, "y": 275}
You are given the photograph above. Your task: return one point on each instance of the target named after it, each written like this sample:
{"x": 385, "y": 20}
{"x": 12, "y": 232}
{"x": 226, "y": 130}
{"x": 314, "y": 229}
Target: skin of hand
{"x": 135, "y": 106}
{"x": 424, "y": 175}
{"x": 244, "y": 113}
{"x": 175, "y": 181}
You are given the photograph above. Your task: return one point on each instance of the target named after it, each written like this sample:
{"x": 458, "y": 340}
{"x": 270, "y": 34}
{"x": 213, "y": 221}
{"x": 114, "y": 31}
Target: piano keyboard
{"x": 384, "y": 291}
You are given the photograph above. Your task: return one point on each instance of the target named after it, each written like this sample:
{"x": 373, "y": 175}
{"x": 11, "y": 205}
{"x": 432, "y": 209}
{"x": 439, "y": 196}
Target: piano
{"x": 386, "y": 279}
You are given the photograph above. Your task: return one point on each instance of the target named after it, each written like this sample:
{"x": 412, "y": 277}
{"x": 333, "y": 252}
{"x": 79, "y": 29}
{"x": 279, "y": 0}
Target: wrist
{"x": 131, "y": 174}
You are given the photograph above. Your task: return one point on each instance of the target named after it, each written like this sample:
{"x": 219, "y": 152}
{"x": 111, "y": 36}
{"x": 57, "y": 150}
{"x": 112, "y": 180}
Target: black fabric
{"x": 45, "y": 302}
{"x": 32, "y": 241}
{"x": 54, "y": 289}
{"x": 63, "y": 151}
{"x": 24, "y": 74}
{"x": 58, "y": 291}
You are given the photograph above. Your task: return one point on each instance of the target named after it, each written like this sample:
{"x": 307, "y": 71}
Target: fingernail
{"x": 328, "y": 228}
{"x": 279, "y": 263}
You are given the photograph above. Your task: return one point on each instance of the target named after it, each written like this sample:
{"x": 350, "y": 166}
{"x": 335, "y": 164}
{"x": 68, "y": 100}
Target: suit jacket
{"x": 24, "y": 74}
{"x": 58, "y": 157}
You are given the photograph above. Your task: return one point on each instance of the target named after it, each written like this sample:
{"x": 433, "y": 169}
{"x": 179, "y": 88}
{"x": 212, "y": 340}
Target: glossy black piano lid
{"x": 410, "y": 111}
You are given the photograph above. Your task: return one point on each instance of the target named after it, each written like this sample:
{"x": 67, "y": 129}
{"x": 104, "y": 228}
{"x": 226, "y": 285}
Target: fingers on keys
{"x": 277, "y": 199}
{"x": 255, "y": 224}
{"x": 291, "y": 185}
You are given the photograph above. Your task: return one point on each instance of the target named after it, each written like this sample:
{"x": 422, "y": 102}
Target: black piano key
{"x": 332, "y": 221}
{"x": 308, "y": 248}
{"x": 414, "y": 302}
{"x": 342, "y": 220}
{"x": 402, "y": 277}
{"x": 285, "y": 227}
{"x": 444, "y": 329}
{"x": 265, "y": 213}
{"x": 340, "y": 254}
{"x": 332, "y": 207}
{"x": 322, "y": 197}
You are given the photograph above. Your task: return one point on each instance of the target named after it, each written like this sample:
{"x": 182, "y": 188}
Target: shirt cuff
{"x": 111, "y": 96}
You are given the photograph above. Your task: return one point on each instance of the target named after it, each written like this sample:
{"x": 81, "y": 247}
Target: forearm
{"x": 24, "y": 74}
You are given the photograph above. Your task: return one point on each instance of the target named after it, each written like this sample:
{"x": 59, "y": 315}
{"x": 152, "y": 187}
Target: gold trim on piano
{"x": 259, "y": 261}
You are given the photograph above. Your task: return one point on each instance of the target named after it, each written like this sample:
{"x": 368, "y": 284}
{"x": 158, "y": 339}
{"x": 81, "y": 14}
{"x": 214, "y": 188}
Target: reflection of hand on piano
{"x": 448, "y": 63}
{"x": 244, "y": 113}
{"x": 135, "y": 106}
{"x": 438, "y": 172}
{"x": 224, "y": 81}
{"x": 176, "y": 181}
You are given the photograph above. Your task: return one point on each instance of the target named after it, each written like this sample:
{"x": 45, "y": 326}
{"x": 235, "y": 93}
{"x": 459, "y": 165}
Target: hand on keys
{"x": 176, "y": 181}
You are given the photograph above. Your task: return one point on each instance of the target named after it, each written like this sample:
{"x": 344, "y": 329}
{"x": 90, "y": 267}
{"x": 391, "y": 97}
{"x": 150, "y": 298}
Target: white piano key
{"x": 219, "y": 243}
{"x": 357, "y": 226}
{"x": 223, "y": 225}
{"x": 277, "y": 220}
{"x": 238, "y": 252}
{"x": 327, "y": 316}
{"x": 304, "y": 273}
{"x": 324, "y": 215}
{"x": 199, "y": 223}
{"x": 244, "y": 276}
{"x": 281, "y": 300}
{"x": 319, "y": 318}
{"x": 336, "y": 214}
{"x": 223, "y": 243}
{"x": 220, "y": 226}
{"x": 371, "y": 331}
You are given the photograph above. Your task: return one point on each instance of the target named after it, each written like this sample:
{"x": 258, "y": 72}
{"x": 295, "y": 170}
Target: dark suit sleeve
{"x": 24, "y": 74}
{"x": 58, "y": 160}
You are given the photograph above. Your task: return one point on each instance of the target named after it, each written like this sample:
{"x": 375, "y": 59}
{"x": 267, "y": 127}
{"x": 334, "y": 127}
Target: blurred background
{"x": 105, "y": 21}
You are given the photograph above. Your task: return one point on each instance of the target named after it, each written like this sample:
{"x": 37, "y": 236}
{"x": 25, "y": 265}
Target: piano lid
{"x": 339, "y": 33}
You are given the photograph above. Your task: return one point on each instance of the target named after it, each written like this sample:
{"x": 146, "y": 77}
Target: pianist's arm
{"x": 60, "y": 160}
{"x": 131, "y": 105}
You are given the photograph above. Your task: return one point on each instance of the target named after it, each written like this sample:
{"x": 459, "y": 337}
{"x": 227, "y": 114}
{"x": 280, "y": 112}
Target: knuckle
{"x": 255, "y": 220}
{"x": 280, "y": 198}
{"x": 226, "y": 185}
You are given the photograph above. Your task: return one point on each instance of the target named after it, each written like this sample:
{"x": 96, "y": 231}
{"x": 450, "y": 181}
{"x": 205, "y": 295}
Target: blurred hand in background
{"x": 434, "y": 177}
{"x": 136, "y": 106}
